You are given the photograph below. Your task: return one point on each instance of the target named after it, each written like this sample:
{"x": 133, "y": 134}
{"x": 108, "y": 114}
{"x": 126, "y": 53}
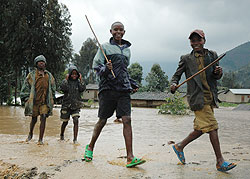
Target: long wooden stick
{"x": 215, "y": 61}
{"x": 99, "y": 44}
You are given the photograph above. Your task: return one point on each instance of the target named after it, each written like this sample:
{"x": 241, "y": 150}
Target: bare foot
{"x": 40, "y": 142}
{"x": 75, "y": 142}
{"x": 61, "y": 137}
{"x": 29, "y": 137}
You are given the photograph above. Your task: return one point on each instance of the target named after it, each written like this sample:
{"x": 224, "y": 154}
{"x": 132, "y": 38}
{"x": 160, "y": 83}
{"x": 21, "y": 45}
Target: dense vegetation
{"x": 84, "y": 60}
{"x": 30, "y": 28}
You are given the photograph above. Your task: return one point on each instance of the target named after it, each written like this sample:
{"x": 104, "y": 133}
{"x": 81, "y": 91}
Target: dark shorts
{"x": 110, "y": 101}
{"x": 65, "y": 114}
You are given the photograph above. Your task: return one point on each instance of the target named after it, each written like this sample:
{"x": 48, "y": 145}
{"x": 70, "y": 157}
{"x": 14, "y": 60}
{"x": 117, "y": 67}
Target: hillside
{"x": 237, "y": 61}
{"x": 243, "y": 76}
{"x": 236, "y": 58}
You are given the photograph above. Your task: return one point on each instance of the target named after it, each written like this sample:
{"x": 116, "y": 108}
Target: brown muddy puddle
{"x": 151, "y": 133}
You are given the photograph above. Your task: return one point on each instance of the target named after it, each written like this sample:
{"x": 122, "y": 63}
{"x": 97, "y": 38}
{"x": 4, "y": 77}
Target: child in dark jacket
{"x": 72, "y": 87}
{"x": 202, "y": 96}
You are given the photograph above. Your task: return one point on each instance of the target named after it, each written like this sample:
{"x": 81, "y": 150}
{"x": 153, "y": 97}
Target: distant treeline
{"x": 30, "y": 28}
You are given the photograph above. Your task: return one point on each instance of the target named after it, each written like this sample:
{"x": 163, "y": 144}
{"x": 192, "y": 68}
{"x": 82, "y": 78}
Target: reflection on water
{"x": 13, "y": 121}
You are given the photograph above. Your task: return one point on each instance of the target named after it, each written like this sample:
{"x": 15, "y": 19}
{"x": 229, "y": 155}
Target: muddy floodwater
{"x": 151, "y": 133}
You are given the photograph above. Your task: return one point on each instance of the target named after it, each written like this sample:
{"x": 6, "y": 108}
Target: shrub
{"x": 90, "y": 102}
{"x": 10, "y": 100}
{"x": 174, "y": 105}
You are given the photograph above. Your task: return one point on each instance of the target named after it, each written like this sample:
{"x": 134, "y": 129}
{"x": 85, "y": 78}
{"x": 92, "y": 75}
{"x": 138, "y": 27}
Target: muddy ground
{"x": 151, "y": 133}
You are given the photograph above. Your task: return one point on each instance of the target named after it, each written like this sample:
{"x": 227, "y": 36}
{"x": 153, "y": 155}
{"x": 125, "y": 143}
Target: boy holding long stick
{"x": 202, "y": 96}
{"x": 114, "y": 90}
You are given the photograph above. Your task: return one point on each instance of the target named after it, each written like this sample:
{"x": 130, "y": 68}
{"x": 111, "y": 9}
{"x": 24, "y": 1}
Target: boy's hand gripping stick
{"x": 215, "y": 61}
{"x": 99, "y": 44}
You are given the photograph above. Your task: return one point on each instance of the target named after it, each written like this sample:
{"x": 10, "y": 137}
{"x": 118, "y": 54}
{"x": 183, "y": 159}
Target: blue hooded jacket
{"x": 120, "y": 58}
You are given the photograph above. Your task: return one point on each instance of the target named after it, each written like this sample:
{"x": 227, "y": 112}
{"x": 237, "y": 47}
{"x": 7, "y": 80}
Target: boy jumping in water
{"x": 202, "y": 96}
{"x": 114, "y": 93}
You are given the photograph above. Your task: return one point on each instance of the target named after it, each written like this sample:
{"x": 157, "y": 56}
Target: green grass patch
{"x": 225, "y": 104}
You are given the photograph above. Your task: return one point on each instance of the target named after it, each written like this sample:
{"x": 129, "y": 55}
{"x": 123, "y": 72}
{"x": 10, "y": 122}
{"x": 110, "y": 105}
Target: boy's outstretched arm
{"x": 99, "y": 64}
{"x": 177, "y": 75}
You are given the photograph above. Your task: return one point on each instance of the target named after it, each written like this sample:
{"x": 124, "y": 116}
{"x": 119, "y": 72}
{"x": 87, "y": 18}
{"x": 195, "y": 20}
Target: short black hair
{"x": 117, "y": 22}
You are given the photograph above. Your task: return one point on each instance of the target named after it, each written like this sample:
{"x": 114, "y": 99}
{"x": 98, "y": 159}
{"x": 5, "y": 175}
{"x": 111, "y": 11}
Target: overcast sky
{"x": 158, "y": 29}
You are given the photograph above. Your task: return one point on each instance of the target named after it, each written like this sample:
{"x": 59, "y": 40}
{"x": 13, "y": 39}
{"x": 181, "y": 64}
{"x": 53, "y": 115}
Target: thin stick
{"x": 215, "y": 61}
{"x": 99, "y": 44}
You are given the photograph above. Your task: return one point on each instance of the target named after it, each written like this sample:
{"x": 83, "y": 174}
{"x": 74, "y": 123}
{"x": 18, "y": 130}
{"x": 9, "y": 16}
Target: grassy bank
{"x": 225, "y": 104}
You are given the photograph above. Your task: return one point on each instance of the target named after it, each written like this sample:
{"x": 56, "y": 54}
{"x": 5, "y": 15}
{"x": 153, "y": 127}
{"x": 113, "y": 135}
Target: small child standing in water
{"x": 72, "y": 87}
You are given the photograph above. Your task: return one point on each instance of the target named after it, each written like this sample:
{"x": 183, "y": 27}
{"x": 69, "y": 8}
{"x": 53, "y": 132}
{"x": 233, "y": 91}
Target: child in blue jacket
{"x": 114, "y": 92}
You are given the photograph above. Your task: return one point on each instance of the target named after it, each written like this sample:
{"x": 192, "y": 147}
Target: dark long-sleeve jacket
{"x": 120, "y": 58}
{"x": 72, "y": 90}
{"x": 189, "y": 66}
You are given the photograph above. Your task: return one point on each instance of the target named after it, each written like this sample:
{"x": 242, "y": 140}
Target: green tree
{"x": 22, "y": 24}
{"x": 229, "y": 80}
{"x": 135, "y": 71}
{"x": 30, "y": 28}
{"x": 5, "y": 74}
{"x": 156, "y": 79}
{"x": 84, "y": 60}
{"x": 4, "y": 53}
{"x": 58, "y": 49}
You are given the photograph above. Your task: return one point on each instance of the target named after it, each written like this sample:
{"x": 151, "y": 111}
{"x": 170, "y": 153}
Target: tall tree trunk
{"x": 9, "y": 89}
{"x": 91, "y": 80}
{"x": 16, "y": 86}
